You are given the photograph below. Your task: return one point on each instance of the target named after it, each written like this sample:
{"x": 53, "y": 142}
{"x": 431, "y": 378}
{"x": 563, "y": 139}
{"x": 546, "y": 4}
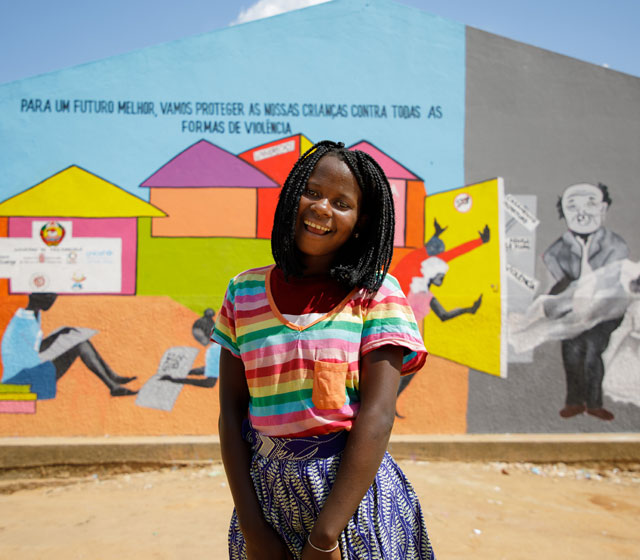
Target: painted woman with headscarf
{"x": 422, "y": 301}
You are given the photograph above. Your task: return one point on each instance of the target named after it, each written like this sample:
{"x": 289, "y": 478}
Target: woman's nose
{"x": 321, "y": 207}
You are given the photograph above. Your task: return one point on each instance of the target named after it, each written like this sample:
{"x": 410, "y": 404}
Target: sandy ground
{"x": 473, "y": 510}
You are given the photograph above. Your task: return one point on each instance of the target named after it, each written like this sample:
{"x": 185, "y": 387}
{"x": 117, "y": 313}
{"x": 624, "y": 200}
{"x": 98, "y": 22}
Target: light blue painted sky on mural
{"x": 42, "y": 36}
{"x": 243, "y": 63}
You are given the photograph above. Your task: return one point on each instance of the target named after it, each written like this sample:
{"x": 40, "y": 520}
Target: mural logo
{"x": 78, "y": 278}
{"x": 463, "y": 202}
{"x": 52, "y": 233}
{"x": 38, "y": 281}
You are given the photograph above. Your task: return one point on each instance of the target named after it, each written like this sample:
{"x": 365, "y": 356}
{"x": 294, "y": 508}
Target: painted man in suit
{"x": 586, "y": 246}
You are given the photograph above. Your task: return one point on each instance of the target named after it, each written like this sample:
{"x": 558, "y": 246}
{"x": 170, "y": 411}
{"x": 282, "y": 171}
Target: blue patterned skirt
{"x": 292, "y": 478}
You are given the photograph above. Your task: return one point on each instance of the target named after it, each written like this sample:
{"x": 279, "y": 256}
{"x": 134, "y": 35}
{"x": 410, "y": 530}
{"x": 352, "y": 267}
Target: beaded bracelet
{"x": 321, "y": 549}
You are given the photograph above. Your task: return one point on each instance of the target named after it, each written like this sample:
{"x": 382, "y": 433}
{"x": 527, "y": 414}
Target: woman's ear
{"x": 361, "y": 224}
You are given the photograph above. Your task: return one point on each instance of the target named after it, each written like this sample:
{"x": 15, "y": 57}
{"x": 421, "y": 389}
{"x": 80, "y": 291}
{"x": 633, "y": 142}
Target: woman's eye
{"x": 310, "y": 193}
{"x": 343, "y": 205}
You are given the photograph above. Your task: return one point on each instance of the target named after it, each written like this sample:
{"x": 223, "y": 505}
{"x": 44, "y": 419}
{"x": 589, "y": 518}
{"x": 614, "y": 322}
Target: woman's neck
{"x": 316, "y": 266}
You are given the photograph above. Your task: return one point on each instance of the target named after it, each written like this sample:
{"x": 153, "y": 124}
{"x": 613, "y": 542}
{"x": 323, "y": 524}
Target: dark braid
{"x": 362, "y": 262}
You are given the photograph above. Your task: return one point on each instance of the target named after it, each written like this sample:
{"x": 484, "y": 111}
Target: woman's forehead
{"x": 335, "y": 172}
{"x": 332, "y": 162}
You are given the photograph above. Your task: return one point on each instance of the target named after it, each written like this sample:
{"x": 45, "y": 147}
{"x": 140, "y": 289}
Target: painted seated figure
{"x": 30, "y": 359}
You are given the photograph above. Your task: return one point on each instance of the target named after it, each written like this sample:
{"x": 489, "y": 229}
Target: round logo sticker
{"x": 463, "y": 202}
{"x": 38, "y": 282}
{"x": 52, "y": 233}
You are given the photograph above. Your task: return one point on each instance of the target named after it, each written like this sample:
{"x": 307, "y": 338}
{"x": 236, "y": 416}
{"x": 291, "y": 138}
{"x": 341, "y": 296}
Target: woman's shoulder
{"x": 391, "y": 283}
{"x": 389, "y": 292}
{"x": 252, "y": 275}
{"x": 248, "y": 282}
{"x": 390, "y": 287}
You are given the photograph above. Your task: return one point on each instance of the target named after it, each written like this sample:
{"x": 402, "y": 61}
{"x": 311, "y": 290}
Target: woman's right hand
{"x": 311, "y": 554}
{"x": 263, "y": 543}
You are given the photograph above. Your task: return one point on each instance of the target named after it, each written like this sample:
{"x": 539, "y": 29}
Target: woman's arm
{"x": 262, "y": 541}
{"x": 367, "y": 443}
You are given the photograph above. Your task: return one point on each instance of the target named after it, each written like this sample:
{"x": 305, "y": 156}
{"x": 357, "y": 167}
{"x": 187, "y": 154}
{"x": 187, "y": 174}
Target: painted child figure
{"x": 313, "y": 350}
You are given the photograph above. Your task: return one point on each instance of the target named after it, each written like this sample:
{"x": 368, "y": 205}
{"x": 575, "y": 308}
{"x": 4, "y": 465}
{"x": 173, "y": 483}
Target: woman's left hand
{"x": 309, "y": 553}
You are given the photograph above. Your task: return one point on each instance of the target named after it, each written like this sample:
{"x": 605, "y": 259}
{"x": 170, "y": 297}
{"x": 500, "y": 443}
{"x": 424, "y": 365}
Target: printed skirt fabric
{"x": 388, "y": 524}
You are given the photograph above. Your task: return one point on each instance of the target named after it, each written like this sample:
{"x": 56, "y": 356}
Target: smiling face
{"x": 328, "y": 213}
{"x": 584, "y": 208}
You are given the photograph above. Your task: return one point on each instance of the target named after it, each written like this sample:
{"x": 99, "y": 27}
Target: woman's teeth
{"x": 316, "y": 226}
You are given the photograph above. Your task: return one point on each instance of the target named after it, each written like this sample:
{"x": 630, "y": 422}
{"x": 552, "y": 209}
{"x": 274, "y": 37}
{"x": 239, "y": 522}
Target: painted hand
{"x": 475, "y": 305}
{"x": 485, "y": 234}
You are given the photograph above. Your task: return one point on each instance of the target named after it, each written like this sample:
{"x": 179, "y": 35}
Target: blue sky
{"x": 41, "y": 36}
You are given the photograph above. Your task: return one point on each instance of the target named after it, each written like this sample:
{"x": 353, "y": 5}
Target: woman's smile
{"x": 316, "y": 228}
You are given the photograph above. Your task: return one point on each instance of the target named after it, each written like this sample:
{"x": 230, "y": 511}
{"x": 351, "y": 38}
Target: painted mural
{"x": 230, "y": 198}
{"x": 116, "y": 246}
{"x": 594, "y": 288}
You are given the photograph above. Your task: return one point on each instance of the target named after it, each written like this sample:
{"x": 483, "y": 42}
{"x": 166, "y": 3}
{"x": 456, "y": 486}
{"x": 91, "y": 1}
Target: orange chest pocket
{"x": 329, "y": 385}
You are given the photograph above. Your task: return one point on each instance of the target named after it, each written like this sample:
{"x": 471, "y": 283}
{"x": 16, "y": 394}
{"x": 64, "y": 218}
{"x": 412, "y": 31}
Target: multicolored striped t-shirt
{"x": 304, "y": 380}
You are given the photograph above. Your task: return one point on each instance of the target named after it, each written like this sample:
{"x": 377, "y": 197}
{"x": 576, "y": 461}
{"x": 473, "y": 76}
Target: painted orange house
{"x": 207, "y": 191}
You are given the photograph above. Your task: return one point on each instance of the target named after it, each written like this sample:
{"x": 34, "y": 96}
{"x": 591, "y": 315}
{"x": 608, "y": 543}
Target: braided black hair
{"x": 363, "y": 261}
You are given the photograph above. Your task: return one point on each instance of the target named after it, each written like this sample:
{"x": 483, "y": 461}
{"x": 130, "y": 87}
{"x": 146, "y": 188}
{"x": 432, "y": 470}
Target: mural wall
{"x": 133, "y": 188}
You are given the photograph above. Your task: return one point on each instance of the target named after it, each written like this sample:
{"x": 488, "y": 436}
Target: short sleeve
{"x": 224, "y": 331}
{"x": 389, "y": 321}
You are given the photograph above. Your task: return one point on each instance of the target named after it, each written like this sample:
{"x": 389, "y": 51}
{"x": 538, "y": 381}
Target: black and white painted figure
{"x": 622, "y": 357}
{"x": 201, "y": 331}
{"x": 586, "y": 246}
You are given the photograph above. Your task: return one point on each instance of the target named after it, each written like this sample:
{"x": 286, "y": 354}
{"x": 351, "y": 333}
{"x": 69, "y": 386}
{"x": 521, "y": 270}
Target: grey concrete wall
{"x": 543, "y": 121}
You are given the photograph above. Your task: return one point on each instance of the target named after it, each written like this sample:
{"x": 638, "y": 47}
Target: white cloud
{"x": 267, "y": 8}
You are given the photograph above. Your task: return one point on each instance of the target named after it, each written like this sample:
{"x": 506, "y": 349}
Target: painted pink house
{"x": 408, "y": 196}
{"x": 95, "y": 208}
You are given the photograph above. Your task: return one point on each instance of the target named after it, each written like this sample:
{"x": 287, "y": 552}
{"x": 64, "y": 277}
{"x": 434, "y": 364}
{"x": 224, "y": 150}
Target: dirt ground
{"x": 473, "y": 510}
